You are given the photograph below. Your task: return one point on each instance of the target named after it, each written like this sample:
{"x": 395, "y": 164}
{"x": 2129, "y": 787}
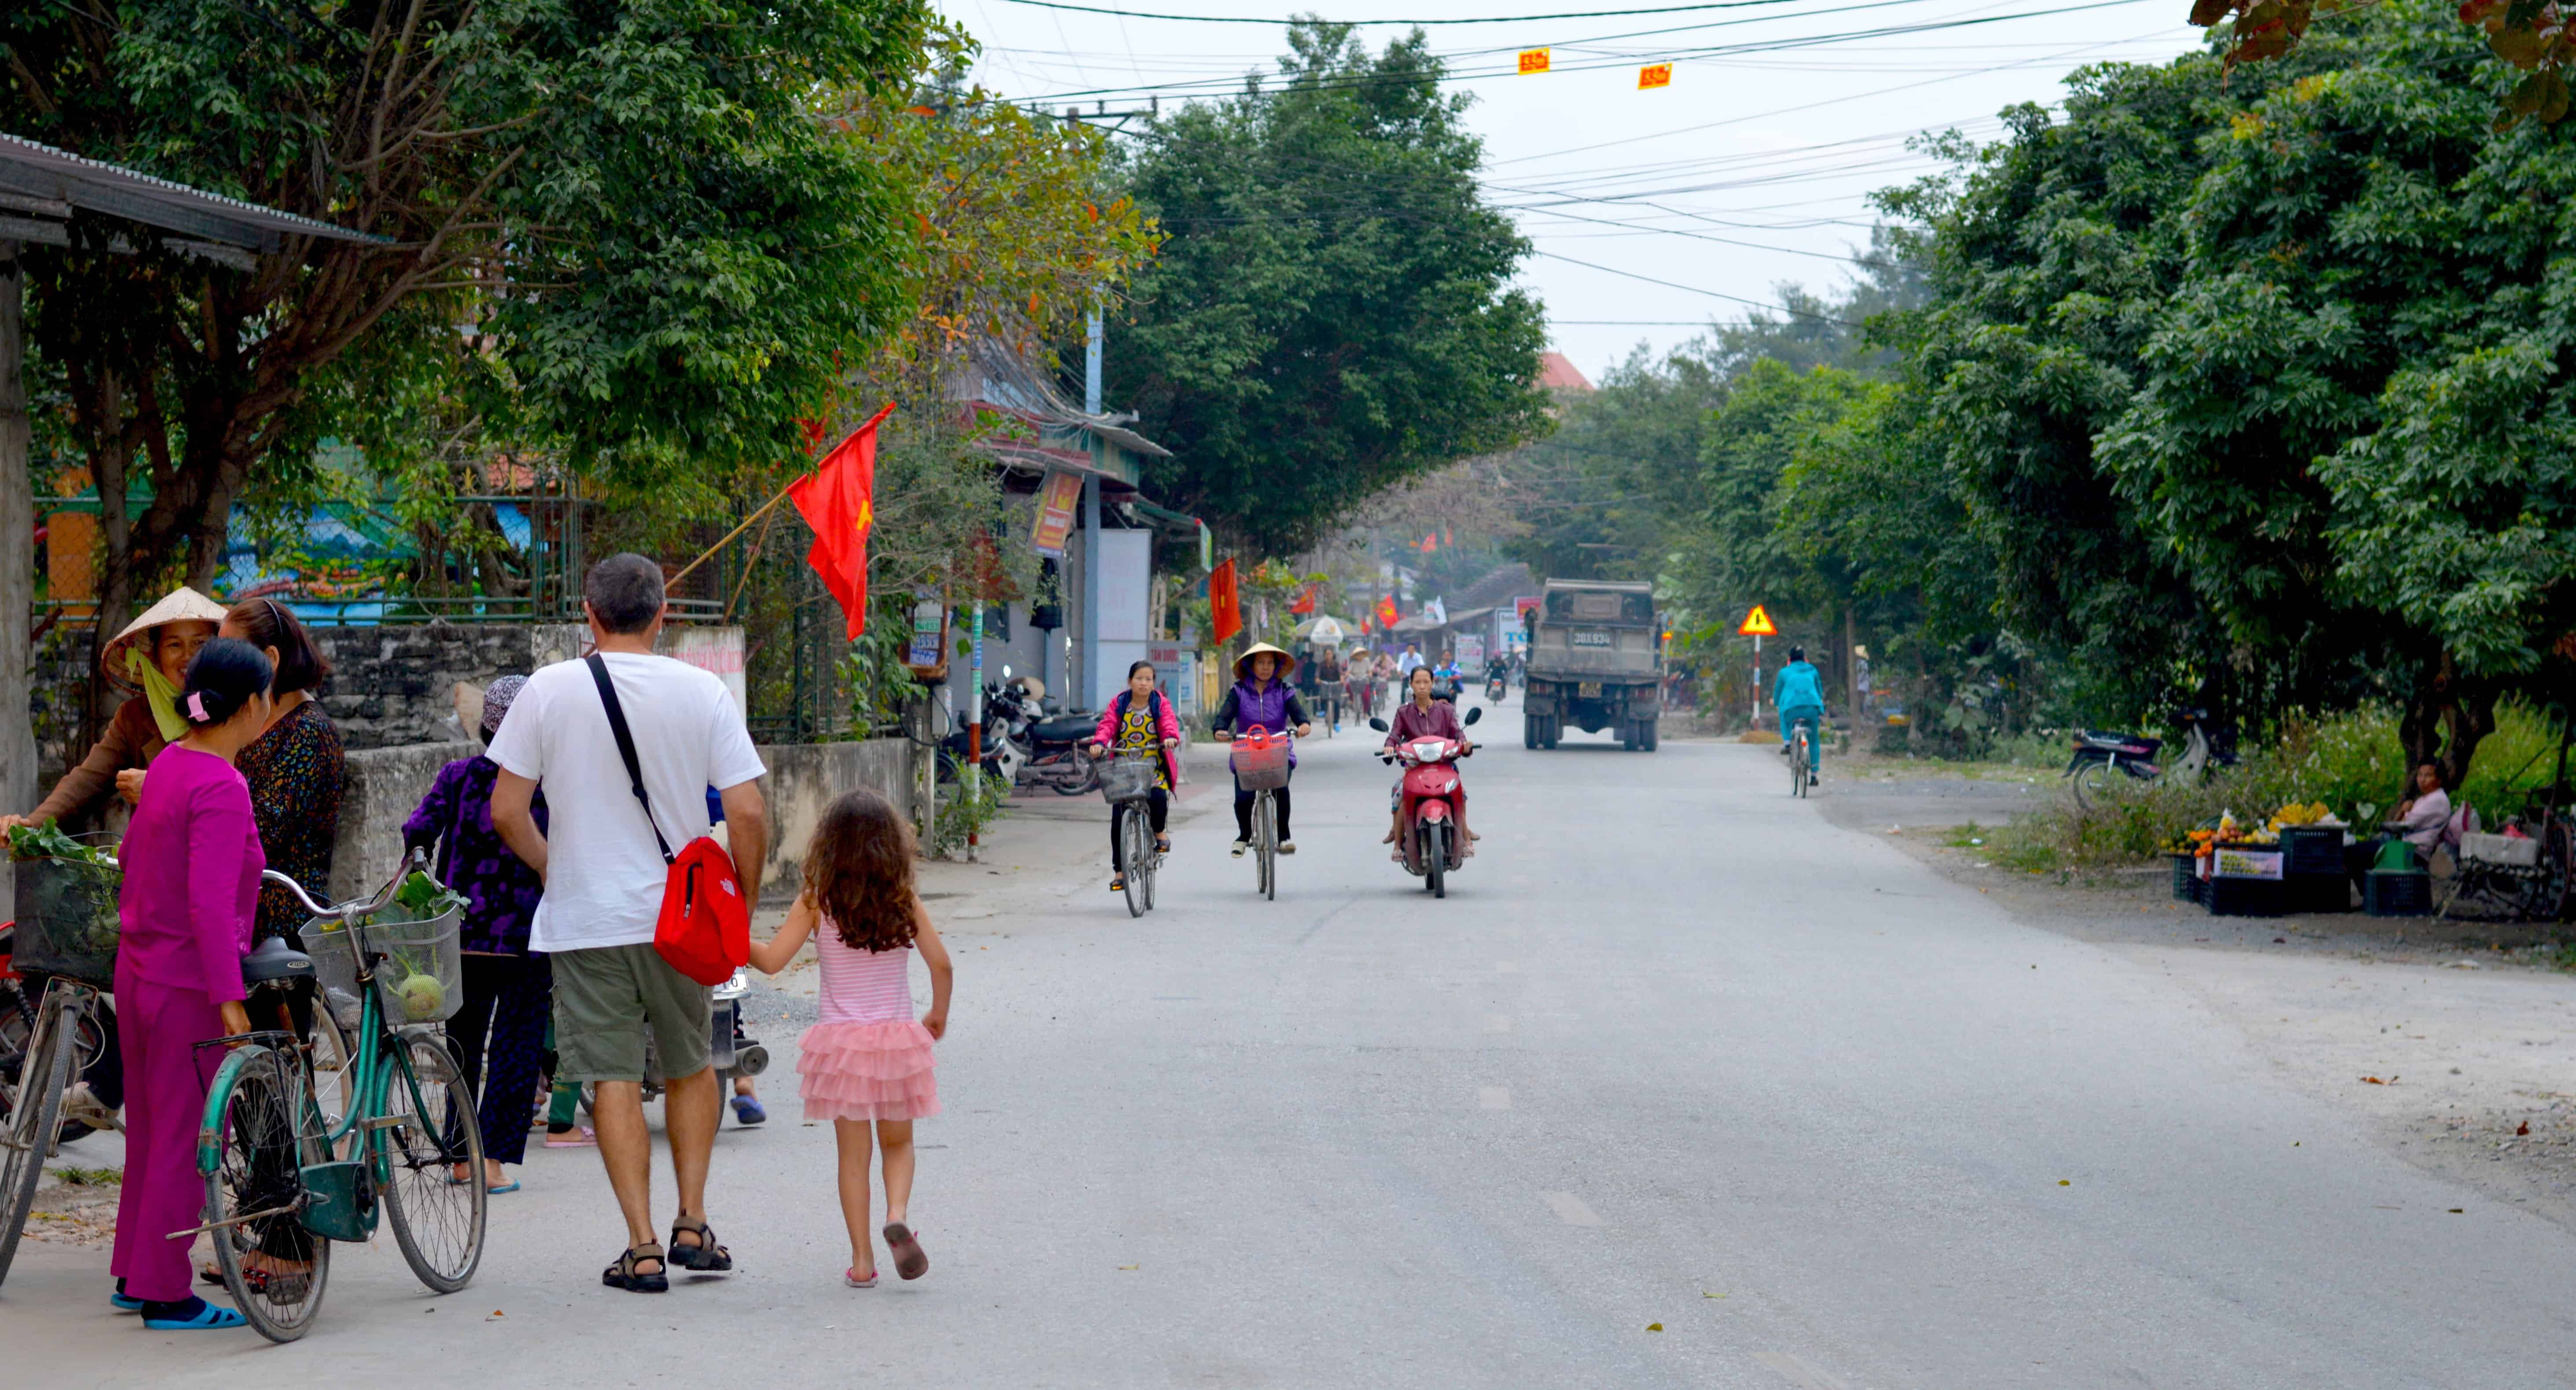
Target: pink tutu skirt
{"x": 867, "y": 1071}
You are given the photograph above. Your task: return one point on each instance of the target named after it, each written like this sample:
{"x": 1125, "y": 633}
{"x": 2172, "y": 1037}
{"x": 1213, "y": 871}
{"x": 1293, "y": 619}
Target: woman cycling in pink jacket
{"x": 1140, "y": 718}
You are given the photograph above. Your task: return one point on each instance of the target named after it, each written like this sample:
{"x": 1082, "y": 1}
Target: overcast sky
{"x": 1751, "y": 168}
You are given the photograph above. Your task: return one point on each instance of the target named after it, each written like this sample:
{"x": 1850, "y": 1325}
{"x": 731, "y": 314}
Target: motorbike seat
{"x": 272, "y": 961}
{"x": 2109, "y": 741}
{"x": 1068, "y": 729}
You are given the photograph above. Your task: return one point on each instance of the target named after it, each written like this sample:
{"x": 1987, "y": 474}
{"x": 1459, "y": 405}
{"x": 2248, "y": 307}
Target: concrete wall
{"x": 385, "y": 783}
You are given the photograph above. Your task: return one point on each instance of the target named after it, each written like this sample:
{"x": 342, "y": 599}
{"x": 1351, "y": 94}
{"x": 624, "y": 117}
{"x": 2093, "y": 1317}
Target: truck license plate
{"x": 1587, "y": 690}
{"x": 1591, "y": 637}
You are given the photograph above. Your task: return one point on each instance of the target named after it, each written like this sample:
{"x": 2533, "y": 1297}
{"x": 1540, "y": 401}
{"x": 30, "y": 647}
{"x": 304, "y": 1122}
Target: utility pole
{"x": 1087, "y": 694}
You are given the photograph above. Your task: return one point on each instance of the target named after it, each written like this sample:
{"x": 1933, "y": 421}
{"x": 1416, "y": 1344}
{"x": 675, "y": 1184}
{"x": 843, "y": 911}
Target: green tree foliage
{"x": 633, "y": 206}
{"x": 1332, "y": 310}
{"x": 2254, "y": 386}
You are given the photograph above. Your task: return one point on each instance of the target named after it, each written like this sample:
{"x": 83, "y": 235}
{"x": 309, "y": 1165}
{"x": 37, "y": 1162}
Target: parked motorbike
{"x": 1057, "y": 757}
{"x": 2098, "y": 753}
{"x": 1433, "y": 846}
{"x": 734, "y": 1057}
{"x": 1004, "y": 748}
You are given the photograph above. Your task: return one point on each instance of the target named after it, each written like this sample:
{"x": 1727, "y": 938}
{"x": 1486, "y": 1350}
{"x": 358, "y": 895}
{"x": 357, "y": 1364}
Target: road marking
{"x": 1799, "y": 1372}
{"x": 1498, "y": 1023}
{"x": 1570, "y": 1209}
{"x": 1494, "y": 1097}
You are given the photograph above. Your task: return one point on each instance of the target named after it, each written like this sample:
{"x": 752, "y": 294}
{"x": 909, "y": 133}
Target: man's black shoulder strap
{"x": 626, "y": 747}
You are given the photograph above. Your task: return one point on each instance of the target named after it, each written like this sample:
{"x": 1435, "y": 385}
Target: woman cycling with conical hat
{"x": 1262, "y": 699}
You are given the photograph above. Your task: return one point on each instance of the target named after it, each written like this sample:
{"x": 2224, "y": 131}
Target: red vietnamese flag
{"x": 1305, "y": 600}
{"x": 1386, "y": 614}
{"x": 1225, "y": 608}
{"x": 836, "y": 500}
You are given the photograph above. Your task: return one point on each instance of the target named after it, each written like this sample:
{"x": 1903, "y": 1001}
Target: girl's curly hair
{"x": 858, "y": 870}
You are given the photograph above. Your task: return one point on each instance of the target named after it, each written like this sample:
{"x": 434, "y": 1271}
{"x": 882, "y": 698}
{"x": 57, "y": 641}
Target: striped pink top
{"x": 862, "y": 986}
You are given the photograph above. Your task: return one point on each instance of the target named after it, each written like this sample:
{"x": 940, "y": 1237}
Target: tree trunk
{"x": 17, "y": 556}
{"x": 2445, "y": 719}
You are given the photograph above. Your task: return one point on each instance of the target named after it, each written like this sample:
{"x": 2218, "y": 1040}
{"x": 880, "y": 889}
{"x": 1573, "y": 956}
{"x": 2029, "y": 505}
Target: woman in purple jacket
{"x": 191, "y": 892}
{"x": 1261, "y": 698}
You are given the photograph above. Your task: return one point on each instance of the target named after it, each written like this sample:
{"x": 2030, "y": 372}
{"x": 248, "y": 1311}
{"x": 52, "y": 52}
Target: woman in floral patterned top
{"x": 1138, "y": 720}
{"x": 295, "y": 769}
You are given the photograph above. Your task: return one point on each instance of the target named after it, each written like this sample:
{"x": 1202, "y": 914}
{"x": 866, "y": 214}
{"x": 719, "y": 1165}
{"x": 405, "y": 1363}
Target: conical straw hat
{"x": 180, "y": 605}
{"x": 1243, "y": 663}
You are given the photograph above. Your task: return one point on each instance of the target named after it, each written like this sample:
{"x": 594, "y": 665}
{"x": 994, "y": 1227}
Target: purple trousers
{"x": 159, "y": 1026}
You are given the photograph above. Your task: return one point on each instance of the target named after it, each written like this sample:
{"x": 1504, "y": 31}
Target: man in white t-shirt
{"x": 604, "y": 876}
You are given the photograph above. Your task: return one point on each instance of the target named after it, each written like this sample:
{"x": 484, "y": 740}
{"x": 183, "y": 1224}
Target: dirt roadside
{"x": 2469, "y": 1034}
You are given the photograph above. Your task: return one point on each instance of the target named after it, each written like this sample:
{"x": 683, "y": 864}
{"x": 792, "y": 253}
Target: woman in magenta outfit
{"x": 191, "y": 890}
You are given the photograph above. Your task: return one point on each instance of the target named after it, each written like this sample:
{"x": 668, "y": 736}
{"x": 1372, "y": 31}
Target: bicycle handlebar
{"x": 353, "y": 908}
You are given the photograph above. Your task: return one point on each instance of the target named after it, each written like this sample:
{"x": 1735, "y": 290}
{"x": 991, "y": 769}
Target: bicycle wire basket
{"x": 1128, "y": 778}
{"x": 67, "y": 920}
{"x": 1260, "y": 764}
{"x": 421, "y": 978}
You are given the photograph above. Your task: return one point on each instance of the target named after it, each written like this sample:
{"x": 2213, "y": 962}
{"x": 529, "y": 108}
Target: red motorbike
{"x": 1433, "y": 846}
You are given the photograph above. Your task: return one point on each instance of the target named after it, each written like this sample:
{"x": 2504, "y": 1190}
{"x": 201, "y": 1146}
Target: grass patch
{"x": 1969, "y": 836}
{"x": 90, "y": 1177}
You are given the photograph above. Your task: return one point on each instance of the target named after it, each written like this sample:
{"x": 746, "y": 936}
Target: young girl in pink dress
{"x": 867, "y": 1062}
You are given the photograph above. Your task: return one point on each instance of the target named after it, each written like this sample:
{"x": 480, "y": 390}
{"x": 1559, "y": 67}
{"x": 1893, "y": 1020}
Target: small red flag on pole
{"x": 837, "y": 501}
{"x": 1225, "y": 607}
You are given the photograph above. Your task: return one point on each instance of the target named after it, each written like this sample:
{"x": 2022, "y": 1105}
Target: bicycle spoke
{"x": 275, "y": 1268}
{"x": 437, "y": 1220}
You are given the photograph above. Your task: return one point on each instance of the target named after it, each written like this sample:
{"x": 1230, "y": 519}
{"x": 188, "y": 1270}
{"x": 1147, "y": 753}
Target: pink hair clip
{"x": 197, "y": 706}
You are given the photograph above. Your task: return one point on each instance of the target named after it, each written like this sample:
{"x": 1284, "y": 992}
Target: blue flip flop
{"x": 209, "y": 1317}
{"x": 510, "y": 1186}
{"x": 748, "y": 1110}
{"x": 125, "y": 1303}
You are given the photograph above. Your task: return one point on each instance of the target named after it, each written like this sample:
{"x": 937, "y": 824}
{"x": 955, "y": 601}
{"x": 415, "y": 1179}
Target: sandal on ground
{"x": 908, "y": 1259}
{"x": 205, "y": 1317}
{"x": 624, "y": 1274}
{"x": 855, "y": 1280}
{"x": 748, "y": 1110}
{"x": 577, "y": 1137}
{"x": 705, "y": 1256}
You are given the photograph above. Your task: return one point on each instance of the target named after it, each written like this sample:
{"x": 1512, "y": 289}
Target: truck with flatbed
{"x": 1596, "y": 661}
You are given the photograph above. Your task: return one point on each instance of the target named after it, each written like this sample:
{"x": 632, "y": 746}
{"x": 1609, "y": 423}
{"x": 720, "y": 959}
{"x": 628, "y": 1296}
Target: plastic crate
{"x": 2512, "y": 850}
{"x": 2312, "y": 849}
{"x": 1260, "y": 765}
{"x": 2397, "y": 893}
{"x": 2246, "y": 897}
{"x": 410, "y": 951}
{"x": 67, "y": 921}
{"x": 2186, "y": 874}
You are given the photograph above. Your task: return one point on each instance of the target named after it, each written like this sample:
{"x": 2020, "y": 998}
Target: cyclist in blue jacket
{"x": 1798, "y": 692}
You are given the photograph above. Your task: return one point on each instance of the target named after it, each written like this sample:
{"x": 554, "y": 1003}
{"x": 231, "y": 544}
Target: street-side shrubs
{"x": 2352, "y": 762}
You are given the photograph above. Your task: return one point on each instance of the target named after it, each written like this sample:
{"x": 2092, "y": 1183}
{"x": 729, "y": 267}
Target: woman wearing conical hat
{"x": 1263, "y": 698}
{"x": 149, "y": 658}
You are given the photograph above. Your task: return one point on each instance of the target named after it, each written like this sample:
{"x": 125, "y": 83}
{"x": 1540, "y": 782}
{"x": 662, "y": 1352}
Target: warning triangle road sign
{"x": 1757, "y": 624}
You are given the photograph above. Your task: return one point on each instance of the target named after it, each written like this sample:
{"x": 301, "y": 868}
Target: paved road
{"x": 1674, "y": 1052}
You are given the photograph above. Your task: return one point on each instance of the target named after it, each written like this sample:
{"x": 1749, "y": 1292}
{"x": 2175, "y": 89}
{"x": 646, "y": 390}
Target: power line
{"x": 1694, "y": 289}
{"x": 1355, "y": 23}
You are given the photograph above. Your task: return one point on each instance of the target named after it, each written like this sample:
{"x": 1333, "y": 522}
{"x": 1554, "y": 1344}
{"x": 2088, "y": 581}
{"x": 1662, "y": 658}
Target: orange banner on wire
{"x": 1654, "y": 75}
{"x": 1533, "y": 60}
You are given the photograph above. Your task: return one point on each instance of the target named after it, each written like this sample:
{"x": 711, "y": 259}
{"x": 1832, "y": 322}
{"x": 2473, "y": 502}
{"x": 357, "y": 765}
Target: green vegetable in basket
{"x": 425, "y": 899}
{"x": 47, "y": 841}
{"x": 423, "y": 998}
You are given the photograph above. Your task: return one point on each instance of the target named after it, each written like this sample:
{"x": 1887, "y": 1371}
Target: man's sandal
{"x": 704, "y": 1256}
{"x": 624, "y": 1274}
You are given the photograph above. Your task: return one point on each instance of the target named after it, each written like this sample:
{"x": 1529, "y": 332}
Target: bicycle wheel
{"x": 437, "y": 1221}
{"x": 1153, "y": 861}
{"x": 1265, "y": 836}
{"x": 334, "y": 1070}
{"x": 275, "y": 1268}
{"x": 30, "y": 1106}
{"x": 1798, "y": 761}
{"x": 1435, "y": 859}
{"x": 1131, "y": 852}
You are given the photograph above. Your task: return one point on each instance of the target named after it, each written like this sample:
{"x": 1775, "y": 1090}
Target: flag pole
{"x": 729, "y": 535}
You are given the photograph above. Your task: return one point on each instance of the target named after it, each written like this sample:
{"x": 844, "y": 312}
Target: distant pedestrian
{"x": 604, "y": 874}
{"x": 867, "y": 1061}
{"x": 509, "y": 989}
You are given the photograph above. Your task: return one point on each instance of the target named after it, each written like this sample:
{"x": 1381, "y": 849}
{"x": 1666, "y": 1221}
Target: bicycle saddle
{"x": 273, "y": 960}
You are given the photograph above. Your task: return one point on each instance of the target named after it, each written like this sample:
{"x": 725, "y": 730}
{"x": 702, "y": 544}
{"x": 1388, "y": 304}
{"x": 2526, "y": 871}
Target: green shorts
{"x": 606, "y": 996}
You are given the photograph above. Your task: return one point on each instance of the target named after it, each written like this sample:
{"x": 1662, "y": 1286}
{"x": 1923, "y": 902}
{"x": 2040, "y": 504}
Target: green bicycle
{"x": 284, "y": 1176}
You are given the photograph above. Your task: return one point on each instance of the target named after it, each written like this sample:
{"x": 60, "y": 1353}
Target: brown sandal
{"x": 909, "y": 1261}
{"x": 624, "y": 1274}
{"x": 705, "y": 1257}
